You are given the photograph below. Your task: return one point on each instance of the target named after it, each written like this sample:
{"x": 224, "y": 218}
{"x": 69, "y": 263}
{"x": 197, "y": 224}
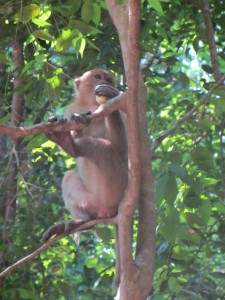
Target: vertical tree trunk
{"x": 136, "y": 275}
{"x": 8, "y": 199}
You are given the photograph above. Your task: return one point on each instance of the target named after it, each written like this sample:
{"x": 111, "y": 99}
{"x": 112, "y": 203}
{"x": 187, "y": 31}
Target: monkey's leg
{"x": 77, "y": 198}
{"x": 64, "y": 140}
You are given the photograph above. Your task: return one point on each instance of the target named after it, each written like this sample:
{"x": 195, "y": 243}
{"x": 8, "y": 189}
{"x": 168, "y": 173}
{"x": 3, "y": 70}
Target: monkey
{"x": 100, "y": 151}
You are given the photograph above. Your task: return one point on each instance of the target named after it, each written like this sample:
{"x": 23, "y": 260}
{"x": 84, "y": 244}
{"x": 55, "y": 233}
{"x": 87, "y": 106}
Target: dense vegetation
{"x": 59, "y": 40}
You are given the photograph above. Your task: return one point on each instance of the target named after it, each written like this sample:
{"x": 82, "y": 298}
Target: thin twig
{"x": 222, "y": 164}
{"x": 183, "y": 120}
{"x": 211, "y": 40}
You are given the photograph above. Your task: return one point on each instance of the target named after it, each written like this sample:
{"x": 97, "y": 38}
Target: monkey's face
{"x": 85, "y": 85}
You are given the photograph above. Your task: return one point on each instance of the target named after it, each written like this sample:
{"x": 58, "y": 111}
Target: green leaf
{"x": 175, "y": 156}
{"x": 177, "y": 170}
{"x": 207, "y": 69}
{"x": 43, "y": 35}
{"x": 160, "y": 187}
{"x": 194, "y": 220}
{"x": 97, "y": 14}
{"x": 104, "y": 233}
{"x": 156, "y": 5}
{"x": 40, "y": 22}
{"x": 168, "y": 230}
{"x": 27, "y": 13}
{"x": 5, "y": 119}
{"x": 188, "y": 234}
{"x": 46, "y": 14}
{"x": 91, "y": 262}
{"x": 192, "y": 200}
{"x": 184, "y": 78}
{"x": 87, "y": 11}
{"x": 171, "y": 189}
{"x": 79, "y": 45}
{"x": 36, "y": 141}
{"x": 219, "y": 104}
{"x": 3, "y": 58}
{"x": 173, "y": 284}
{"x": 205, "y": 210}
{"x": 27, "y": 67}
{"x": 220, "y": 206}
{"x": 180, "y": 254}
{"x": 206, "y": 124}
{"x": 82, "y": 27}
{"x": 203, "y": 158}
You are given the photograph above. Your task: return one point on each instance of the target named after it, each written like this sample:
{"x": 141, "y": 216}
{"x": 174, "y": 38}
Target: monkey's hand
{"x": 57, "y": 120}
{"x": 63, "y": 139}
{"x": 60, "y": 228}
{"x": 104, "y": 92}
{"x": 82, "y": 118}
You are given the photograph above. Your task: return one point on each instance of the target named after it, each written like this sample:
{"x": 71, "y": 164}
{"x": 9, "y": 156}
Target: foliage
{"x": 61, "y": 40}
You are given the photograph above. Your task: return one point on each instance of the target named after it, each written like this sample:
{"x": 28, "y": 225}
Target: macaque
{"x": 100, "y": 150}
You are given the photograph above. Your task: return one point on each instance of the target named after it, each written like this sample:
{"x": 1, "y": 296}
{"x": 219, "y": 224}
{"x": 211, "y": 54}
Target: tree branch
{"x": 117, "y": 103}
{"x": 183, "y": 120}
{"x": 222, "y": 158}
{"x": 53, "y": 241}
{"x": 211, "y": 40}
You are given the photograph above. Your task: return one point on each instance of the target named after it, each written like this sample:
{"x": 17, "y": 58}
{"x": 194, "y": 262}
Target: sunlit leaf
{"x": 40, "y": 22}
{"x": 36, "y": 141}
{"x": 156, "y": 5}
{"x": 27, "y": 13}
{"x": 91, "y": 262}
{"x": 27, "y": 67}
{"x": 43, "y": 35}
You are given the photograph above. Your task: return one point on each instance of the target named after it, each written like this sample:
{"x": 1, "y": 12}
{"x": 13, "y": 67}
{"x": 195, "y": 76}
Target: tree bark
{"x": 8, "y": 200}
{"x": 136, "y": 275}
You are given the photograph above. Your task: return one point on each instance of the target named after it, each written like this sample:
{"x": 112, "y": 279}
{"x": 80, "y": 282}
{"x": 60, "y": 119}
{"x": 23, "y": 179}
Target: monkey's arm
{"x": 65, "y": 139}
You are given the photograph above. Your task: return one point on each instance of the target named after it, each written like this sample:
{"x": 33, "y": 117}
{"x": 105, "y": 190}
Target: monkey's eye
{"x": 97, "y": 76}
{"x": 109, "y": 80}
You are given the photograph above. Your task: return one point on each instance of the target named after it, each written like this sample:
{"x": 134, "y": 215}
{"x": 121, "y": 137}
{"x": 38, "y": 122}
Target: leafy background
{"x": 62, "y": 39}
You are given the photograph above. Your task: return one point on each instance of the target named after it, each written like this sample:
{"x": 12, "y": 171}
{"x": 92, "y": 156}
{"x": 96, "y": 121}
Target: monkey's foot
{"x": 60, "y": 228}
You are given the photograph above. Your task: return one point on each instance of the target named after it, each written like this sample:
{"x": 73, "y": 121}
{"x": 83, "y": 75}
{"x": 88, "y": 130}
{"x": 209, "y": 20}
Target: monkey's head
{"x": 85, "y": 85}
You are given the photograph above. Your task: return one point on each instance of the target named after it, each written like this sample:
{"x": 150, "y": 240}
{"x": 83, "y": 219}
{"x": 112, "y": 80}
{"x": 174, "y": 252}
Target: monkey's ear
{"x": 77, "y": 83}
